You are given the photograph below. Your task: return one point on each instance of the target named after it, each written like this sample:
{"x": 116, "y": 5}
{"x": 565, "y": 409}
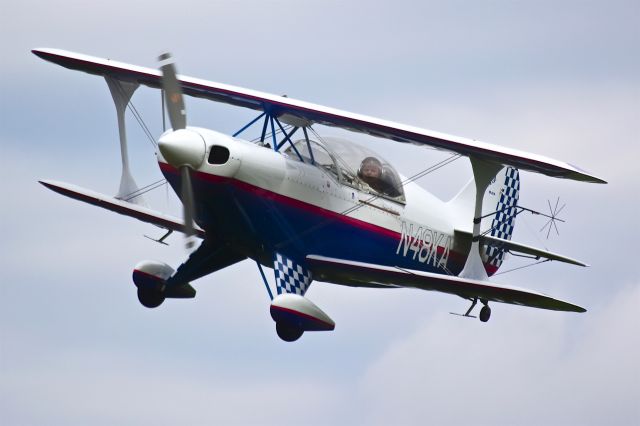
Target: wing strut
{"x": 270, "y": 118}
{"x": 121, "y": 92}
{"x": 483, "y": 173}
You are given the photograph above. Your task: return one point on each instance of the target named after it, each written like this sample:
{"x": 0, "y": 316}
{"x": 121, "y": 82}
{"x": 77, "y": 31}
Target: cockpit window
{"x": 353, "y": 165}
{"x": 318, "y": 156}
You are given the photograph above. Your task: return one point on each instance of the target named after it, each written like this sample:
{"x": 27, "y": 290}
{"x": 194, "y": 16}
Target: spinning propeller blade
{"x": 180, "y": 148}
{"x": 172, "y": 93}
{"x": 187, "y": 201}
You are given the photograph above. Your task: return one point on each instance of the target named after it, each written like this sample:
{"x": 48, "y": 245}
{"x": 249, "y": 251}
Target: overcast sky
{"x": 558, "y": 78}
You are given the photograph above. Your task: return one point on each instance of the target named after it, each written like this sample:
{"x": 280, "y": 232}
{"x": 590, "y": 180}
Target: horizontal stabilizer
{"x": 306, "y": 112}
{"x": 525, "y": 249}
{"x": 519, "y": 248}
{"x": 123, "y": 207}
{"x": 353, "y": 273}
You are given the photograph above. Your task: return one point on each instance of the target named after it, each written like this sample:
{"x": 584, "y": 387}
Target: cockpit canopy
{"x": 351, "y": 164}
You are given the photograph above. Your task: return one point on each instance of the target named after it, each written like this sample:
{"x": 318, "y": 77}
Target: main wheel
{"x": 150, "y": 298}
{"x": 287, "y": 332}
{"x": 485, "y": 313}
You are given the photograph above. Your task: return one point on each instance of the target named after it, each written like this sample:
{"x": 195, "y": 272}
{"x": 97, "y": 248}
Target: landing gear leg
{"x": 485, "y": 312}
{"x": 467, "y": 314}
{"x": 473, "y": 305}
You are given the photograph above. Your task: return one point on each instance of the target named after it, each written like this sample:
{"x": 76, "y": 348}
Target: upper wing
{"x": 292, "y": 110}
{"x": 357, "y": 273}
{"x": 123, "y": 207}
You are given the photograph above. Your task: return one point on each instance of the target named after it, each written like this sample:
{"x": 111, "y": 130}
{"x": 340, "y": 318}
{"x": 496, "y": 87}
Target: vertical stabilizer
{"x": 501, "y": 198}
{"x": 498, "y": 209}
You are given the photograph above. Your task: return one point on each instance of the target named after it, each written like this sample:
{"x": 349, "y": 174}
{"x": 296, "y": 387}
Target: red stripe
{"x": 147, "y": 275}
{"x": 283, "y": 199}
{"x": 292, "y": 202}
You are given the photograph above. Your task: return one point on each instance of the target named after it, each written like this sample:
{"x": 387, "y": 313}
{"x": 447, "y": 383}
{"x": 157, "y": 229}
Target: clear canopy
{"x": 351, "y": 164}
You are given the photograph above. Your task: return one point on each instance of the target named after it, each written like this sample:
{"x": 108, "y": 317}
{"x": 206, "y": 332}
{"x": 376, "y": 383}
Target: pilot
{"x": 372, "y": 172}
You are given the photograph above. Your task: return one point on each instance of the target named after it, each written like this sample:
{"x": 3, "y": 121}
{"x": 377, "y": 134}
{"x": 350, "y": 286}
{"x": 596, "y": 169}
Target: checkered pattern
{"x": 504, "y": 219}
{"x": 291, "y": 276}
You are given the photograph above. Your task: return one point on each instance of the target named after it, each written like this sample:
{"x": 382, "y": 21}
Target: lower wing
{"x": 352, "y": 273}
{"x": 123, "y": 207}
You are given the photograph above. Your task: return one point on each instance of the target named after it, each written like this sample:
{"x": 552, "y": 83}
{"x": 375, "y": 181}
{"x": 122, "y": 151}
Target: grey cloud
{"x": 532, "y": 371}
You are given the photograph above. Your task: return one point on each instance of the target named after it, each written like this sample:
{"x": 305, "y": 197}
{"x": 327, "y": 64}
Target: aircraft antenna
{"x": 553, "y": 217}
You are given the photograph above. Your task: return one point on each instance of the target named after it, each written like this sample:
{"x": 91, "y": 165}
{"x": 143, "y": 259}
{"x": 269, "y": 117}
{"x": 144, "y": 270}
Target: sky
{"x": 557, "y": 78}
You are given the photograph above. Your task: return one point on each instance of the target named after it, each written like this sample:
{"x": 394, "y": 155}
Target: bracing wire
{"x": 145, "y": 189}
{"x": 522, "y": 267}
{"x": 143, "y": 125}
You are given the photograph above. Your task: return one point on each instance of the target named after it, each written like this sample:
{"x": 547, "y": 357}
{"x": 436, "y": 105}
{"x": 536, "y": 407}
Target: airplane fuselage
{"x": 261, "y": 201}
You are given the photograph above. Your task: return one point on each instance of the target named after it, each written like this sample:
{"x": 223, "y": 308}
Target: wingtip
{"x": 49, "y": 184}
{"x": 579, "y": 263}
{"x": 585, "y": 176}
{"x": 589, "y": 178}
{"x": 40, "y": 52}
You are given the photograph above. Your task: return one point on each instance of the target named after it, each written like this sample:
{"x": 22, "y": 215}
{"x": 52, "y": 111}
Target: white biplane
{"x": 315, "y": 208}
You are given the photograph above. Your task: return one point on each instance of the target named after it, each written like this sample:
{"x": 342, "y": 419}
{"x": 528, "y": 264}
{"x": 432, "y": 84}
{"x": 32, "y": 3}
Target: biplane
{"x": 316, "y": 208}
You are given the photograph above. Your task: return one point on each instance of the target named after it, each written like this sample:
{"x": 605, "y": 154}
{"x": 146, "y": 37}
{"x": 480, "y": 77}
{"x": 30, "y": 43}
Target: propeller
{"x": 187, "y": 201}
{"x": 172, "y": 93}
{"x": 182, "y": 148}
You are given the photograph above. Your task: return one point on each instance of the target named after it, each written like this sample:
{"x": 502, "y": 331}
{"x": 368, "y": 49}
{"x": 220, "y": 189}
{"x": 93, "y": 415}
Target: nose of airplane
{"x": 183, "y": 147}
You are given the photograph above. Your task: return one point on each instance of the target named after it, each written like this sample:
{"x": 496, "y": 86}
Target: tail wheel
{"x": 150, "y": 298}
{"x": 485, "y": 313}
{"x": 287, "y": 332}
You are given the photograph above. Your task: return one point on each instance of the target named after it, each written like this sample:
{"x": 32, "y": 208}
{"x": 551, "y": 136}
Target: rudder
{"x": 502, "y": 198}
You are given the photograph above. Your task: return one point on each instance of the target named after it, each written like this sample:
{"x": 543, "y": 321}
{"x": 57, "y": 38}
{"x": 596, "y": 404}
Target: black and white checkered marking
{"x": 291, "y": 276}
{"x": 504, "y": 219}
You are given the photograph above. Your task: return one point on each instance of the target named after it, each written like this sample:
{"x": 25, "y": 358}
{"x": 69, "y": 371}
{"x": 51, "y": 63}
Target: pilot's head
{"x": 370, "y": 169}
